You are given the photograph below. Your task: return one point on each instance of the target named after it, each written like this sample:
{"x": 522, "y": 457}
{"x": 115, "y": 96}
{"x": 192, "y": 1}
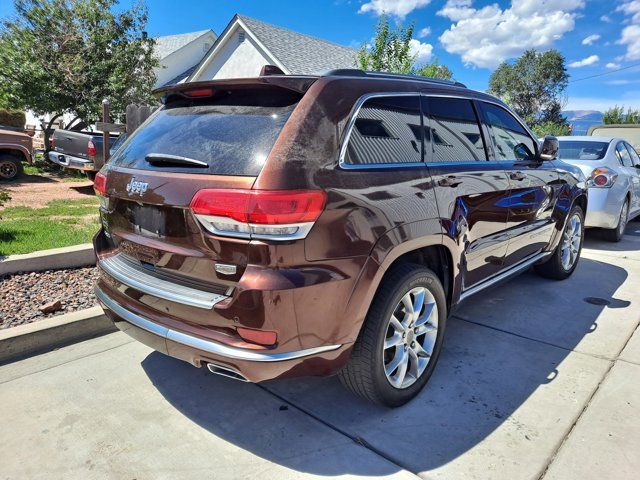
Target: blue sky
{"x": 470, "y": 36}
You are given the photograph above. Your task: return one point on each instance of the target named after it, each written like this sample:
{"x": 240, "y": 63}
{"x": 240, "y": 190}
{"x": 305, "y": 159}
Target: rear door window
{"x": 635, "y": 159}
{"x": 452, "y": 130}
{"x": 623, "y": 155}
{"x": 222, "y": 139}
{"x": 387, "y": 130}
{"x": 508, "y": 135}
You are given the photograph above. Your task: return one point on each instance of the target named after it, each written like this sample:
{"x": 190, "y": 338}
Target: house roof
{"x": 181, "y": 77}
{"x": 168, "y": 44}
{"x": 301, "y": 54}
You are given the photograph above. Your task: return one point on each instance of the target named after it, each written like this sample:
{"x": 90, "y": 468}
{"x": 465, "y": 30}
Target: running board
{"x": 504, "y": 275}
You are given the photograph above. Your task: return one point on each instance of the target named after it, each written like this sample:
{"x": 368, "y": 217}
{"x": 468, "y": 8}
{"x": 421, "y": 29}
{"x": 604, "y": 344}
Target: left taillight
{"x": 91, "y": 149}
{"x": 263, "y": 214}
{"x": 100, "y": 187}
{"x": 602, "y": 177}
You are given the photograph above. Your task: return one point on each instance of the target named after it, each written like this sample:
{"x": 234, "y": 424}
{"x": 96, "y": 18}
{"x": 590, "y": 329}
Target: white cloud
{"x": 630, "y": 36}
{"x": 613, "y": 65}
{"x": 422, "y": 51}
{"x": 591, "y": 39}
{"x": 632, "y": 8}
{"x": 425, "y": 32}
{"x": 585, "y": 62}
{"x": 487, "y": 36}
{"x": 606, "y": 19}
{"x": 398, "y": 8}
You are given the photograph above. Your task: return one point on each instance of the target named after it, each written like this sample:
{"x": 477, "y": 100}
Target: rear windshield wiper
{"x": 166, "y": 159}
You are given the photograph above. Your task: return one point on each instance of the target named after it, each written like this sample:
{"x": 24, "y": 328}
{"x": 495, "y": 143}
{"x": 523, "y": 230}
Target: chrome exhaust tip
{"x": 226, "y": 372}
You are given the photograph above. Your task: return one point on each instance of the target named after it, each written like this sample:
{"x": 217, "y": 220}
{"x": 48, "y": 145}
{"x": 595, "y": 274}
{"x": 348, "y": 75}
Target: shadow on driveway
{"x": 483, "y": 379}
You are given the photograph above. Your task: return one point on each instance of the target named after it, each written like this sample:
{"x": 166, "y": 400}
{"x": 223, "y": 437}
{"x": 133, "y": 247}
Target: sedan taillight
{"x": 264, "y": 214}
{"x": 602, "y": 177}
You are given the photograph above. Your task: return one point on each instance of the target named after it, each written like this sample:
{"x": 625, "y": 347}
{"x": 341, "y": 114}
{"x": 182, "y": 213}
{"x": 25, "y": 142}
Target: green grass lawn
{"x": 60, "y": 224}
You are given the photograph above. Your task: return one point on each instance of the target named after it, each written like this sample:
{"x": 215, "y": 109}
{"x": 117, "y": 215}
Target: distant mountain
{"x": 581, "y": 120}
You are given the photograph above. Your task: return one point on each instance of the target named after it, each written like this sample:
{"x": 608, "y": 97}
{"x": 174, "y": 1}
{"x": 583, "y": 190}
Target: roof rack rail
{"x": 354, "y": 72}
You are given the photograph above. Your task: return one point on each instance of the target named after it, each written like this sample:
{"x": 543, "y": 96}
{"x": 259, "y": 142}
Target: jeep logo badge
{"x": 134, "y": 187}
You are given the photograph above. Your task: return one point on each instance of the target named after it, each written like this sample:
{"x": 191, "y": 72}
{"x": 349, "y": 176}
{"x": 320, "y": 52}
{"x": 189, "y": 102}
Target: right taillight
{"x": 264, "y": 214}
{"x": 602, "y": 177}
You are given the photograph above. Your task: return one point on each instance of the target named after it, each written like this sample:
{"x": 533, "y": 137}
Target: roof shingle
{"x": 168, "y": 44}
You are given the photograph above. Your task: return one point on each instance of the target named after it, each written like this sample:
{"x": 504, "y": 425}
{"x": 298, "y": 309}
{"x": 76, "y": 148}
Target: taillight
{"x": 602, "y": 177}
{"x": 91, "y": 149}
{"x": 266, "y": 214}
{"x": 52, "y": 142}
{"x": 198, "y": 92}
{"x": 100, "y": 186}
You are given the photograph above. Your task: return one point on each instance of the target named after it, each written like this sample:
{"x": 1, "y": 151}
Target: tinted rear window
{"x": 579, "y": 150}
{"x": 230, "y": 139}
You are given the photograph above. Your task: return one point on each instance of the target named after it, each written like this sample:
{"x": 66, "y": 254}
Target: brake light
{"x": 100, "y": 184}
{"x": 198, "y": 92}
{"x": 261, "y": 337}
{"x": 52, "y": 142}
{"x": 602, "y": 177}
{"x": 91, "y": 149}
{"x": 267, "y": 214}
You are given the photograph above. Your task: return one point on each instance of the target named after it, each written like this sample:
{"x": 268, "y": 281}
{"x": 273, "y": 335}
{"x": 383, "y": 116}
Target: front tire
{"x": 616, "y": 234}
{"x": 10, "y": 167}
{"x": 400, "y": 342}
{"x": 566, "y": 255}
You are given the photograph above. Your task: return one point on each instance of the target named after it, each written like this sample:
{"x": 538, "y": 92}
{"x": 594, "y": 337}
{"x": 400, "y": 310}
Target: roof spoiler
{"x": 267, "y": 70}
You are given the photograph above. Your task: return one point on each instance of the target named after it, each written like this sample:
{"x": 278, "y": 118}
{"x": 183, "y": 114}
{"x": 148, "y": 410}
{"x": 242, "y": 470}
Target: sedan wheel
{"x": 616, "y": 234}
{"x": 411, "y": 337}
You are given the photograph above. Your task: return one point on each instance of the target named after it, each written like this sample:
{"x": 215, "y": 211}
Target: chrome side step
{"x": 124, "y": 272}
{"x": 504, "y": 275}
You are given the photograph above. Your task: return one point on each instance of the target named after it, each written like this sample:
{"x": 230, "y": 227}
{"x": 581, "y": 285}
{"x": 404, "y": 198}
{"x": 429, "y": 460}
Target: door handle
{"x": 449, "y": 181}
{"x": 519, "y": 176}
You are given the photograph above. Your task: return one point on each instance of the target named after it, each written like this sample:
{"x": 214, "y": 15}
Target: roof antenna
{"x": 270, "y": 70}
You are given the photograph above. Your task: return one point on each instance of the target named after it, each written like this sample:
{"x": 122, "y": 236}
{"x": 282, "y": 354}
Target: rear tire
{"x": 10, "y": 167}
{"x": 567, "y": 254}
{"x": 391, "y": 335}
{"x": 616, "y": 234}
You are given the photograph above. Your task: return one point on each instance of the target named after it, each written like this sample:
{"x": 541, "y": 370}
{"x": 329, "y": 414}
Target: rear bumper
{"x": 604, "y": 207}
{"x": 254, "y": 365}
{"x": 68, "y": 161}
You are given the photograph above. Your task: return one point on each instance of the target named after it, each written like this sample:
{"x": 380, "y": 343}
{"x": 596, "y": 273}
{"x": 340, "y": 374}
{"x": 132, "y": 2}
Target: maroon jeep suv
{"x": 283, "y": 226}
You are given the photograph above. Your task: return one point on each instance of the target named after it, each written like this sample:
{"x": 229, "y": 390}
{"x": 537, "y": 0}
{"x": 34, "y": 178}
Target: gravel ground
{"x": 24, "y": 295}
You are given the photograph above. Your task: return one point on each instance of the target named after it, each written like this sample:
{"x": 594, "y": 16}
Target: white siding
{"x": 182, "y": 59}
{"x": 235, "y": 59}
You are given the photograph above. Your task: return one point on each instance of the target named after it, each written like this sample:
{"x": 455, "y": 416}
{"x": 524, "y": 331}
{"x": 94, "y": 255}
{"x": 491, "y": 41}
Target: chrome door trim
{"x": 504, "y": 274}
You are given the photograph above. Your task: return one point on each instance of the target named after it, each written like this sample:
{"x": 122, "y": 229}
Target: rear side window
{"x": 634, "y": 155}
{"x": 387, "y": 130}
{"x": 507, "y": 134}
{"x": 452, "y": 131}
{"x": 222, "y": 139}
{"x": 623, "y": 155}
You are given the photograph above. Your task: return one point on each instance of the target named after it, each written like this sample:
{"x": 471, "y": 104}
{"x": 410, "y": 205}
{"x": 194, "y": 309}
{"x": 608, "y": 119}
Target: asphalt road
{"x": 538, "y": 380}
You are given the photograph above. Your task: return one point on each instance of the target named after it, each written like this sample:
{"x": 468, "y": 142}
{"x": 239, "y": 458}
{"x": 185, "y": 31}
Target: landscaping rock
{"x": 31, "y": 296}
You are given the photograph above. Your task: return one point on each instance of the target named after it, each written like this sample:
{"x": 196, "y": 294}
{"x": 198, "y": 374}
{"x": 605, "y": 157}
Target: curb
{"x": 50, "y": 333}
{"x": 56, "y": 258}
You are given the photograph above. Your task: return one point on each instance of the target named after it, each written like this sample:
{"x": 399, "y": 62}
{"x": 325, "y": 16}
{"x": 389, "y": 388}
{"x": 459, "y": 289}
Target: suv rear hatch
{"x": 212, "y": 136}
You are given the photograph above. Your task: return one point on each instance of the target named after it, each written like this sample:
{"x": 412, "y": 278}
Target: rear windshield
{"x": 577, "y": 150}
{"x": 220, "y": 139}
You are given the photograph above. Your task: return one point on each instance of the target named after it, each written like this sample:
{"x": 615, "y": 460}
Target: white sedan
{"x": 612, "y": 168}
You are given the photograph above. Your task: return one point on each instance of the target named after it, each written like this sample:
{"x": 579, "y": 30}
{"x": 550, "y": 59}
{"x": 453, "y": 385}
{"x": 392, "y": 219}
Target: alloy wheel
{"x": 571, "y": 241}
{"x": 8, "y": 169}
{"x": 411, "y": 337}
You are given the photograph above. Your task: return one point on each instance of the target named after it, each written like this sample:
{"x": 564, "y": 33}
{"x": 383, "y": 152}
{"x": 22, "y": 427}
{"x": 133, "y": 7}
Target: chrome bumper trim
{"x": 125, "y": 273}
{"x": 208, "y": 346}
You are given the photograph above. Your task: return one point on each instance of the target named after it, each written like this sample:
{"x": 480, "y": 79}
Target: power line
{"x": 605, "y": 73}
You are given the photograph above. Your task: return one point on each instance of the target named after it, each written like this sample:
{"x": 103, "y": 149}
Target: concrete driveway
{"x": 538, "y": 380}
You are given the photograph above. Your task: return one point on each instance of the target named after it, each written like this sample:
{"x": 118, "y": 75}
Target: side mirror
{"x": 549, "y": 149}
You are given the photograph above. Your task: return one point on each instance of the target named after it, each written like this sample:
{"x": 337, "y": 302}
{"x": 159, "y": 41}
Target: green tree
{"x": 632, "y": 117}
{"x": 551, "y": 128}
{"x": 534, "y": 86}
{"x": 613, "y": 116}
{"x": 68, "y": 55}
{"x": 391, "y": 52}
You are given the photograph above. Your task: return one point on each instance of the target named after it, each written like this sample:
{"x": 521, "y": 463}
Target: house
{"x": 180, "y": 54}
{"x": 246, "y": 45}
